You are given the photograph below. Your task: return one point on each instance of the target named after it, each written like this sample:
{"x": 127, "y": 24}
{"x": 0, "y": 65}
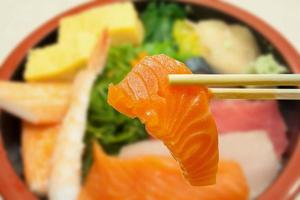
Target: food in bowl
{"x": 114, "y": 131}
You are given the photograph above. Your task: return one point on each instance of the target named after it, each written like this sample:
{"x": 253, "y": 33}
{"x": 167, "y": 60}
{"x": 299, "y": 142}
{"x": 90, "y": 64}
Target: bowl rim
{"x": 285, "y": 186}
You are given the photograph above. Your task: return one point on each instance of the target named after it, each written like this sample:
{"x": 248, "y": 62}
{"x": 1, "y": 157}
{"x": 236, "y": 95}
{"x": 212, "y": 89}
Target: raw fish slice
{"x": 179, "y": 116}
{"x": 244, "y": 116}
{"x": 37, "y": 149}
{"x": 255, "y": 154}
{"x": 38, "y": 103}
{"x": 144, "y": 148}
{"x": 155, "y": 178}
{"x": 65, "y": 178}
{"x": 242, "y": 147}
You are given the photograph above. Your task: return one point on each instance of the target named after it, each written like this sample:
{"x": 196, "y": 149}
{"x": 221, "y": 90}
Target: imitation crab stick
{"x": 37, "y": 103}
{"x": 37, "y": 148}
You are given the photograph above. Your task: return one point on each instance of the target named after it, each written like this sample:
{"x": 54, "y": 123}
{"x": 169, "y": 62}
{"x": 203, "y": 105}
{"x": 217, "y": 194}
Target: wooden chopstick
{"x": 243, "y": 80}
{"x": 256, "y": 93}
{"x": 235, "y": 79}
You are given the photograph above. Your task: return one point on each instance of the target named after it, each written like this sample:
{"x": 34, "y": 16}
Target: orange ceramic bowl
{"x": 287, "y": 183}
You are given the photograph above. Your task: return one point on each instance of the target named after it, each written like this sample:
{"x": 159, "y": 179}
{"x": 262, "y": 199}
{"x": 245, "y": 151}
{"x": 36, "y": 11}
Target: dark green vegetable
{"x": 158, "y": 20}
{"x": 111, "y": 128}
{"x": 105, "y": 125}
{"x": 165, "y": 47}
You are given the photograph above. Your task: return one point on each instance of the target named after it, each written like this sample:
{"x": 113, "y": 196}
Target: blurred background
{"x": 21, "y": 17}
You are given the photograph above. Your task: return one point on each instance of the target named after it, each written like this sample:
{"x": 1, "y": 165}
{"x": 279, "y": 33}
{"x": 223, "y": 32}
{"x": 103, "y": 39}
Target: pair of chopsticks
{"x": 243, "y": 80}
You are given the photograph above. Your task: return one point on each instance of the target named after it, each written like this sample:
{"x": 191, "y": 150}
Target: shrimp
{"x": 66, "y": 163}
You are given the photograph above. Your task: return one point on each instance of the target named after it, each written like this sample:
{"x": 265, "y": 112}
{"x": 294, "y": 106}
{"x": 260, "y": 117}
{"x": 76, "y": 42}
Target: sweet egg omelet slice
{"x": 59, "y": 61}
{"x": 120, "y": 19}
{"x": 78, "y": 35}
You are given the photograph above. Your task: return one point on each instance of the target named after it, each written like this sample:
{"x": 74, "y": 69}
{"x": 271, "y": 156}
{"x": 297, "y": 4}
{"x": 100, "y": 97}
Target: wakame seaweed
{"x": 111, "y": 128}
{"x": 158, "y": 20}
{"x": 105, "y": 125}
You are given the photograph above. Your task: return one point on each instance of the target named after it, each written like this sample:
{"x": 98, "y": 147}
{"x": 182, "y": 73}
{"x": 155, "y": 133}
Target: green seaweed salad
{"x": 107, "y": 126}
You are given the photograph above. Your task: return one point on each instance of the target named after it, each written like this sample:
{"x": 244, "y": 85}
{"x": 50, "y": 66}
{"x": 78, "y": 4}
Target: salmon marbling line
{"x": 179, "y": 116}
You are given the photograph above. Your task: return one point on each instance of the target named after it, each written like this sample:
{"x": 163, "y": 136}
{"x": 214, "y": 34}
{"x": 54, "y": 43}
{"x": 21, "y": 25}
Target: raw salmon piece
{"x": 243, "y": 116}
{"x": 38, "y": 103}
{"x": 179, "y": 116}
{"x": 242, "y": 147}
{"x": 37, "y": 148}
{"x": 155, "y": 178}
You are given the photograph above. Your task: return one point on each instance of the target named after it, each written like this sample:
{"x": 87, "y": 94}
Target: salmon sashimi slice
{"x": 38, "y": 103}
{"x": 242, "y": 147}
{"x": 177, "y": 115}
{"x": 155, "y": 178}
{"x": 37, "y": 149}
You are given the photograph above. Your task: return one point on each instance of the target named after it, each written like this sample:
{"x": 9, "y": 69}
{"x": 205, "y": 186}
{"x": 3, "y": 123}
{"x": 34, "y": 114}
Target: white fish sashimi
{"x": 254, "y": 152}
{"x": 65, "y": 178}
{"x": 143, "y": 148}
